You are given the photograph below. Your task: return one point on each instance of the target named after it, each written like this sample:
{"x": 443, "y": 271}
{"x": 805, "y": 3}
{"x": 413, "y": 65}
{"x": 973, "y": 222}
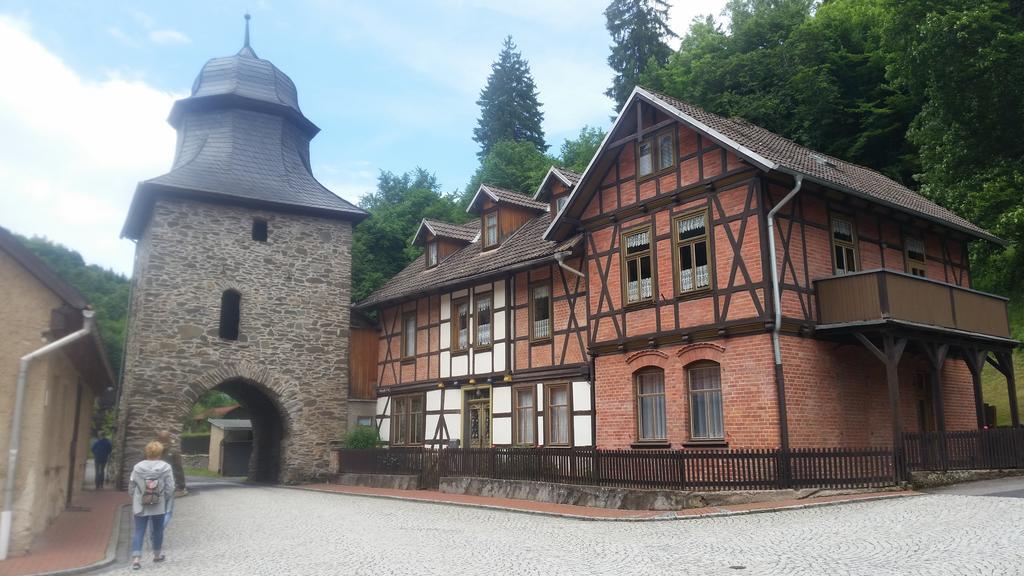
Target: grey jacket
{"x": 137, "y": 487}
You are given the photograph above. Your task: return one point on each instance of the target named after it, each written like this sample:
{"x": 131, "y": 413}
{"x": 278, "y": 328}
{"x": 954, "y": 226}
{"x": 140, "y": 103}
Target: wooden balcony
{"x": 890, "y": 297}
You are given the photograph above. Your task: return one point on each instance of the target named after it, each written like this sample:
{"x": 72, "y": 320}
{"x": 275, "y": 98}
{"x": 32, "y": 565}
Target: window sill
{"x": 666, "y": 170}
{"x": 479, "y": 349}
{"x": 408, "y": 360}
{"x": 654, "y": 445}
{"x": 538, "y": 341}
{"x": 694, "y": 294}
{"x": 639, "y": 305}
{"x": 706, "y": 444}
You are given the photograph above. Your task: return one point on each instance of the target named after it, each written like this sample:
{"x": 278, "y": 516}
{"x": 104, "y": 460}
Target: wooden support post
{"x": 937, "y": 358}
{"x": 1004, "y": 363}
{"x": 975, "y": 362}
{"x": 890, "y": 354}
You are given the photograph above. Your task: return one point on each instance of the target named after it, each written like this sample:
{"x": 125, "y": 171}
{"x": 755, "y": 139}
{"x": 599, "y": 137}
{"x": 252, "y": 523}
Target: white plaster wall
{"x": 581, "y": 396}
{"x": 501, "y": 399}
{"x": 498, "y": 358}
{"x": 446, "y": 306}
{"x": 433, "y": 400}
{"x": 446, "y": 364}
{"x": 453, "y": 400}
{"x": 454, "y": 424}
{"x": 482, "y": 362}
{"x": 446, "y": 336}
{"x": 460, "y": 365}
{"x": 431, "y": 426}
{"x": 540, "y": 430}
{"x": 383, "y": 406}
{"x": 385, "y": 429}
{"x": 581, "y": 432}
{"x": 499, "y": 295}
{"x": 501, "y": 430}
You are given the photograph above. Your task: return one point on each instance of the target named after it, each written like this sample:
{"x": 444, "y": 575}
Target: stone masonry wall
{"x": 294, "y": 329}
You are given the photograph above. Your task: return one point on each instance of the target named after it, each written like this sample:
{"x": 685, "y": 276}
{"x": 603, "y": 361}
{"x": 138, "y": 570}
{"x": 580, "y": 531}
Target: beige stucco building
{"x": 37, "y": 307}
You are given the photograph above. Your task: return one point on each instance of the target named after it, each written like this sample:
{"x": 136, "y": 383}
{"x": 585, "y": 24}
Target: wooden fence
{"x": 653, "y": 469}
{"x": 992, "y": 449}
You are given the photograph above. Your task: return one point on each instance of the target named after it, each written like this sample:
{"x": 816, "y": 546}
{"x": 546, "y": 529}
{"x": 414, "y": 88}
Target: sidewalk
{"x": 80, "y": 537}
{"x": 589, "y": 513}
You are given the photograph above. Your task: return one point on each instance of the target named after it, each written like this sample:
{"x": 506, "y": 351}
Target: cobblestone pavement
{"x": 277, "y": 531}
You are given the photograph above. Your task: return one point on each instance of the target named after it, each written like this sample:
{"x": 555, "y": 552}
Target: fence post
{"x": 784, "y": 468}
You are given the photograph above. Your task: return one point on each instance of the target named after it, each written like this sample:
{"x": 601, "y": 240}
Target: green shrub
{"x": 362, "y": 437}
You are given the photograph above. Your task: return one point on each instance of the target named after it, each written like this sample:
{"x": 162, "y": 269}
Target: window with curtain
{"x": 666, "y": 151}
{"x": 408, "y": 334}
{"x": 483, "y": 321}
{"x": 916, "y": 260}
{"x": 431, "y": 254}
{"x": 460, "y": 324}
{"x": 491, "y": 229}
{"x": 557, "y": 415}
{"x": 540, "y": 312}
{"x": 636, "y": 265}
{"x": 525, "y": 407}
{"x": 645, "y": 158}
{"x": 407, "y": 425}
{"x": 706, "y": 419}
{"x": 844, "y": 246}
{"x": 650, "y": 395}
{"x": 656, "y": 153}
{"x": 691, "y": 236}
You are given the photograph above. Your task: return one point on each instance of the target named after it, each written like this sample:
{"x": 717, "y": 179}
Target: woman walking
{"x": 152, "y": 490}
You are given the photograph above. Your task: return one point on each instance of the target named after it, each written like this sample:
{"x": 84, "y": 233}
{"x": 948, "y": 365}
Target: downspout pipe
{"x": 560, "y": 258}
{"x": 780, "y": 383}
{"x": 15, "y": 438}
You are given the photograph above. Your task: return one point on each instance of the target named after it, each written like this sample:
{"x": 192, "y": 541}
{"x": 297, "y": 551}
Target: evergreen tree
{"x": 509, "y": 108}
{"x": 639, "y": 29}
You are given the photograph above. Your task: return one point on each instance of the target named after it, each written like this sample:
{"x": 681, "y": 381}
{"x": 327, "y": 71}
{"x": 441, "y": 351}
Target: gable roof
{"x": 772, "y": 152}
{"x": 567, "y": 177}
{"x": 503, "y": 196}
{"x": 525, "y": 247}
{"x": 461, "y": 232}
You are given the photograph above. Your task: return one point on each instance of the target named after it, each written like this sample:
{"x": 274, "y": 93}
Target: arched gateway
{"x": 242, "y": 276}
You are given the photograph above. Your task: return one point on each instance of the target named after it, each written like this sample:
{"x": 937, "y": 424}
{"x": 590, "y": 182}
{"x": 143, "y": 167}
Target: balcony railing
{"x": 879, "y": 295}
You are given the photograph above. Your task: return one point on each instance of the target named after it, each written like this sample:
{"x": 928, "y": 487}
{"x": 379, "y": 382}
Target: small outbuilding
{"x": 230, "y": 446}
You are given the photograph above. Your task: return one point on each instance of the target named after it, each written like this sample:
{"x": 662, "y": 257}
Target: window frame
{"x": 561, "y": 202}
{"x": 690, "y": 404}
{"x": 432, "y": 253}
{"x": 624, "y": 259}
{"x": 497, "y": 229}
{"x": 551, "y": 310}
{"x": 532, "y": 389}
{"x": 548, "y": 411}
{"x": 639, "y": 405}
{"x": 260, "y": 230}
{"x": 453, "y": 319}
{"x": 852, "y": 244}
{"x": 406, "y": 316}
{"x": 475, "y": 321}
{"x": 909, "y": 262}
{"x": 678, "y": 245}
{"x": 405, "y": 402}
{"x": 655, "y": 141}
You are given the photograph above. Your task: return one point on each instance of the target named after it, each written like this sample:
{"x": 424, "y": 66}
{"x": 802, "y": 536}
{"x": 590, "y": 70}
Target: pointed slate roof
{"x": 242, "y": 139}
{"x": 772, "y": 152}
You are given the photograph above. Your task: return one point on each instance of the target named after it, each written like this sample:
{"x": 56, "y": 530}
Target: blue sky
{"x": 392, "y": 85}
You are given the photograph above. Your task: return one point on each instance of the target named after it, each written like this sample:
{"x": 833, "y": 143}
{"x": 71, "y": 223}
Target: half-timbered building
{"x": 704, "y": 283}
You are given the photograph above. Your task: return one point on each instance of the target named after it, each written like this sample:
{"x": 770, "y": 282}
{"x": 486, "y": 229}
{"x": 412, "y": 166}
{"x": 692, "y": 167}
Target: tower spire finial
{"x": 247, "y": 18}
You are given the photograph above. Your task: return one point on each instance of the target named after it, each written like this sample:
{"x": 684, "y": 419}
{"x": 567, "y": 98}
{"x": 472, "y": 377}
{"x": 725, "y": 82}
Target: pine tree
{"x": 639, "y": 29}
{"x": 509, "y": 109}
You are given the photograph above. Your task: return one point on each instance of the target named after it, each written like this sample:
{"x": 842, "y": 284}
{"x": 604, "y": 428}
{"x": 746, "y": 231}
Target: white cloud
{"x": 73, "y": 148}
{"x": 682, "y": 13}
{"x": 168, "y": 36}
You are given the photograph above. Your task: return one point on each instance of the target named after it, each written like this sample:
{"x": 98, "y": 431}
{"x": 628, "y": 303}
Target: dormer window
{"x": 431, "y": 253}
{"x": 560, "y": 203}
{"x": 491, "y": 229}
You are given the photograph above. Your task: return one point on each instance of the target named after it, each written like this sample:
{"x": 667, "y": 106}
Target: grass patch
{"x": 201, "y": 472}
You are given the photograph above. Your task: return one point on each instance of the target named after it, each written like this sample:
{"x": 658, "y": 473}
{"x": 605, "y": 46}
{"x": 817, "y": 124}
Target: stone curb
{"x": 108, "y": 559}
{"x": 663, "y": 516}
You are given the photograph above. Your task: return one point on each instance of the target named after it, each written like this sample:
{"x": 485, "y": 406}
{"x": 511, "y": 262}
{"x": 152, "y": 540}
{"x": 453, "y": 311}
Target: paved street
{"x": 251, "y": 530}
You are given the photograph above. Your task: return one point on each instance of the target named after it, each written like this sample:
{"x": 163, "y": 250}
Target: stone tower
{"x": 242, "y": 276}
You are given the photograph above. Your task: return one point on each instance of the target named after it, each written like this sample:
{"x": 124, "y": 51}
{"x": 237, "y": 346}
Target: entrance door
{"x": 478, "y": 418}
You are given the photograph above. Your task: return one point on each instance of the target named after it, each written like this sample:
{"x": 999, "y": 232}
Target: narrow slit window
{"x": 844, "y": 246}
{"x": 691, "y": 237}
{"x": 645, "y": 158}
{"x": 483, "y": 322}
{"x": 637, "y": 273}
{"x": 666, "y": 151}
{"x": 525, "y": 415}
{"x": 491, "y": 229}
{"x": 460, "y": 325}
{"x": 557, "y": 415}
{"x": 259, "y": 230}
{"x": 431, "y": 254}
{"x": 540, "y": 312}
{"x": 917, "y": 263}
{"x": 409, "y": 335}
{"x": 230, "y": 314}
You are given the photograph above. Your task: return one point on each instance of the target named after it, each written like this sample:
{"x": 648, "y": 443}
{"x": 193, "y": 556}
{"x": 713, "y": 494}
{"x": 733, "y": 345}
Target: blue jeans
{"x": 140, "y": 533}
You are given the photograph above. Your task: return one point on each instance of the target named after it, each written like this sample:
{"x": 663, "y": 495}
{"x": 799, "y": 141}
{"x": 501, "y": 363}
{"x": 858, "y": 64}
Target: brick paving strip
{"x": 81, "y": 538}
{"x": 591, "y": 513}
